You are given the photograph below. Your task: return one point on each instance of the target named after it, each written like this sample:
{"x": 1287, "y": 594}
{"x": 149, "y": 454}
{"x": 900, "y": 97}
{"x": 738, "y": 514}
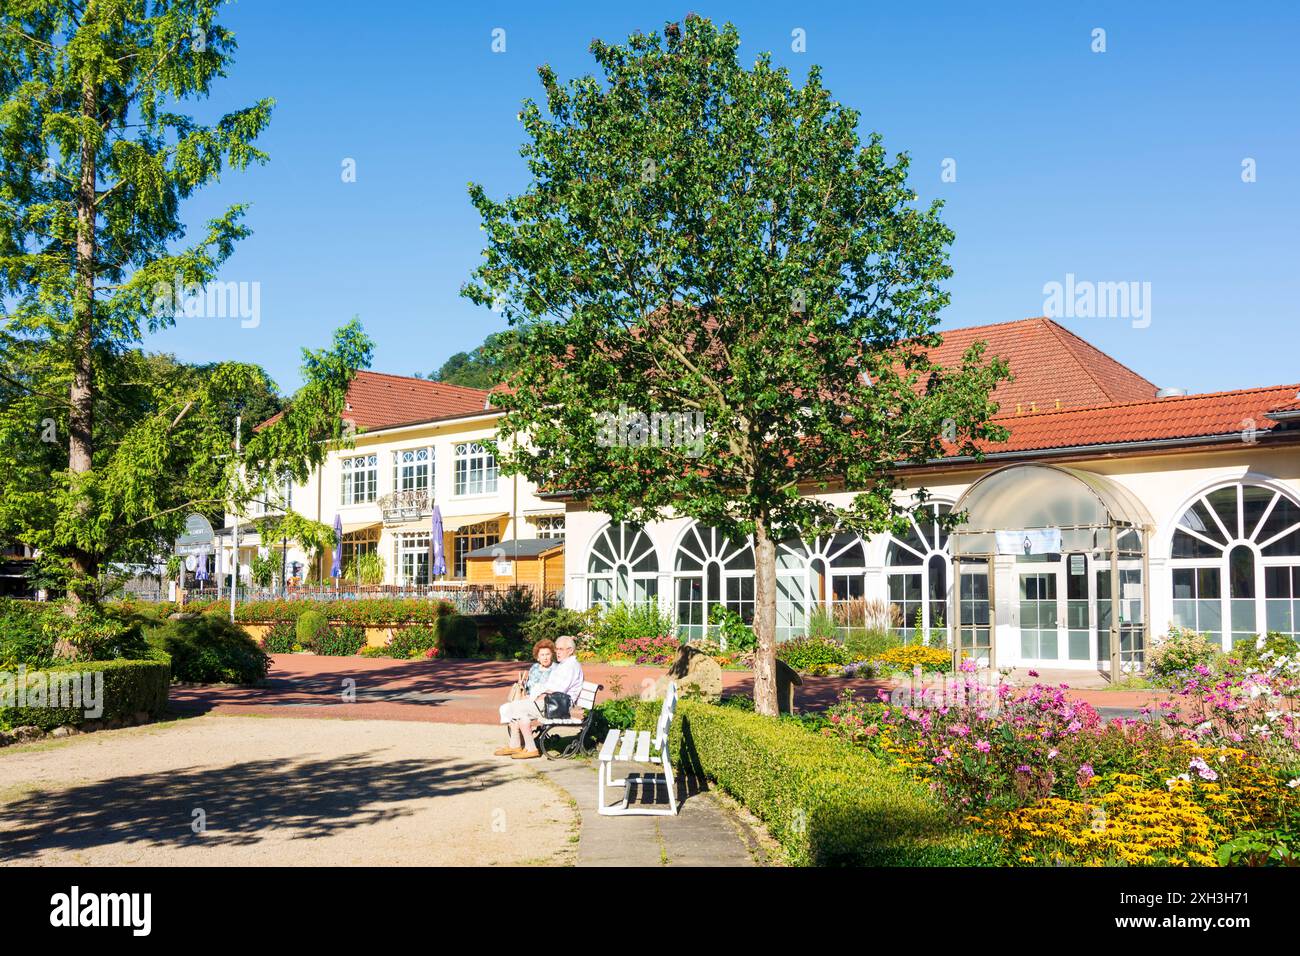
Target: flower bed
{"x": 1209, "y": 778}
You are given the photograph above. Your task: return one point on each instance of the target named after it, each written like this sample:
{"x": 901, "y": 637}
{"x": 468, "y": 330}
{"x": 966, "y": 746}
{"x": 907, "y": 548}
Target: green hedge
{"x": 825, "y": 802}
{"x": 129, "y": 687}
{"x": 372, "y": 612}
{"x": 457, "y": 636}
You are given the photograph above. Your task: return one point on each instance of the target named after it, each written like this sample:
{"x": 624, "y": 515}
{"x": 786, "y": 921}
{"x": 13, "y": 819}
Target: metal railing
{"x": 406, "y": 505}
{"x": 466, "y": 598}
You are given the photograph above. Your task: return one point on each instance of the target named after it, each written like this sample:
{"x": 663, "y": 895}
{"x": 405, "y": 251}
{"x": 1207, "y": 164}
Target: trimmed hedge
{"x": 825, "y": 802}
{"x": 129, "y": 687}
{"x": 363, "y": 612}
{"x": 457, "y": 636}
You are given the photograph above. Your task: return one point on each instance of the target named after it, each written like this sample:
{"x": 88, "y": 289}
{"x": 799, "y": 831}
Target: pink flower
{"x": 983, "y": 746}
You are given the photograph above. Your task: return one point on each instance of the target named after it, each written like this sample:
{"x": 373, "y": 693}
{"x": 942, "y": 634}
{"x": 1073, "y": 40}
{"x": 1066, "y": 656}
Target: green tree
{"x": 102, "y": 448}
{"x": 484, "y": 367}
{"x": 714, "y": 242}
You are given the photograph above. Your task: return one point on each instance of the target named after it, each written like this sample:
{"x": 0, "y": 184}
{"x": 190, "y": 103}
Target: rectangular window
{"x": 1197, "y": 603}
{"x": 413, "y": 470}
{"x": 550, "y": 526}
{"x": 360, "y": 479}
{"x": 476, "y": 470}
{"x": 471, "y": 539}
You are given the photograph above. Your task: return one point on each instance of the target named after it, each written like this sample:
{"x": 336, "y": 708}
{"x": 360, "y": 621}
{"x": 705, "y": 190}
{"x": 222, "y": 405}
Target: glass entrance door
{"x": 975, "y": 635}
{"x": 1039, "y": 617}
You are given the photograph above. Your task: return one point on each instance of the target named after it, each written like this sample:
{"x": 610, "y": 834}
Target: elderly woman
{"x": 530, "y": 681}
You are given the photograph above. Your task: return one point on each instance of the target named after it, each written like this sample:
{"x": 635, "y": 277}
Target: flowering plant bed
{"x": 1212, "y": 777}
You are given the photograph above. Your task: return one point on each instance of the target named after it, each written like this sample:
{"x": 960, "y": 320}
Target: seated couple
{"x": 528, "y": 695}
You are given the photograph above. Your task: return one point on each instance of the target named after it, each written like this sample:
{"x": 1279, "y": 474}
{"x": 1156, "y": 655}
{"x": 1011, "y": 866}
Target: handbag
{"x": 556, "y": 706}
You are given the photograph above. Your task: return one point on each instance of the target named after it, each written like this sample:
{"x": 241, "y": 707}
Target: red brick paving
{"x": 469, "y": 692}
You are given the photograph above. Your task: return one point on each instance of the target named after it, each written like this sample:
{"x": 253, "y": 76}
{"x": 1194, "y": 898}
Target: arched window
{"x": 917, "y": 565}
{"x": 828, "y": 573}
{"x": 622, "y": 567}
{"x": 1235, "y": 562}
{"x": 712, "y": 569}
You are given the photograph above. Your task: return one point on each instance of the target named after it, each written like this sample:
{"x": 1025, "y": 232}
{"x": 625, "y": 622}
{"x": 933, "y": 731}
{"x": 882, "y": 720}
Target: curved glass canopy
{"x": 1021, "y": 497}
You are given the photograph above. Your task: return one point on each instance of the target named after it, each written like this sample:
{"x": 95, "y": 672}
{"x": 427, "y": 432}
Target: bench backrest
{"x": 666, "y": 717}
{"x": 587, "y": 696}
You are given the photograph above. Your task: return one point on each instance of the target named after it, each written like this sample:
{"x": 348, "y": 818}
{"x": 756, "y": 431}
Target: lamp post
{"x": 234, "y": 550}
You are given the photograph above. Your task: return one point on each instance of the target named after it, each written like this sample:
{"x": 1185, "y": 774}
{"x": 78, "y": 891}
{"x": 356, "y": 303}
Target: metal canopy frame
{"x": 1110, "y": 510}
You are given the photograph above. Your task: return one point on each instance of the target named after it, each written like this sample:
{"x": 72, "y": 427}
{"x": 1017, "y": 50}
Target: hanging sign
{"x": 197, "y": 537}
{"x": 1031, "y": 541}
{"x": 1078, "y": 565}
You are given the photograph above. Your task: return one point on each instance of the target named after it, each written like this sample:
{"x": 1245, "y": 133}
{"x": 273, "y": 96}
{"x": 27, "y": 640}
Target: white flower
{"x": 1293, "y": 783}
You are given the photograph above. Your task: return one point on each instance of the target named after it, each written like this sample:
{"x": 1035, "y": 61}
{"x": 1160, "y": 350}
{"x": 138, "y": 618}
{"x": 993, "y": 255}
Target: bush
{"x": 650, "y": 650}
{"x": 413, "y": 640}
{"x": 1177, "y": 654}
{"x": 1276, "y": 645}
{"x": 864, "y": 644}
{"x": 312, "y": 625}
{"x": 622, "y": 623}
{"x": 281, "y": 638}
{"x": 206, "y": 649}
{"x": 553, "y": 622}
{"x": 457, "y": 636}
{"x": 804, "y": 653}
{"x": 824, "y": 802}
{"x": 373, "y": 612}
{"x": 24, "y": 638}
{"x": 732, "y": 630}
{"x": 342, "y": 641}
{"x": 129, "y": 687}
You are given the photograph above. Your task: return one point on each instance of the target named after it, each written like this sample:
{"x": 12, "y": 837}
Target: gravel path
{"x": 280, "y": 791}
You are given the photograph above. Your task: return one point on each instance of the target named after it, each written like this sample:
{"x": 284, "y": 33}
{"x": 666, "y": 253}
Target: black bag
{"x": 556, "y": 706}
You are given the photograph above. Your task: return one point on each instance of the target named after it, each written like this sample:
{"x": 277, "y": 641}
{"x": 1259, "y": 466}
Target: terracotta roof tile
{"x": 1213, "y": 414}
{"x": 1050, "y": 364}
{"x": 378, "y": 400}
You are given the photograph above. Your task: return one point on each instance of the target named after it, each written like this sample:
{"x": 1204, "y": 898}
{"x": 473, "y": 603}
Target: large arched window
{"x": 827, "y": 573}
{"x": 622, "y": 567}
{"x": 916, "y": 565}
{"x": 712, "y": 569}
{"x": 1235, "y": 563}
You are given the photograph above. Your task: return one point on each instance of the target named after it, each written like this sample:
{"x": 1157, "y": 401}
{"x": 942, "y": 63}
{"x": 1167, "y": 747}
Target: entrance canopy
{"x": 1024, "y": 497}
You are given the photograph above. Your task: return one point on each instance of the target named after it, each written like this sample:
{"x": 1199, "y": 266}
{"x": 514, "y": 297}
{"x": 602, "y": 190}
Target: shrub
{"x": 804, "y": 653}
{"x": 457, "y": 636}
{"x": 206, "y": 649}
{"x": 312, "y": 625}
{"x": 824, "y": 802}
{"x": 622, "y": 623}
{"x": 281, "y": 638}
{"x": 1276, "y": 645}
{"x": 374, "y": 612}
{"x": 1177, "y": 654}
{"x": 413, "y": 640}
{"x": 342, "y": 641}
{"x": 129, "y": 687}
{"x": 97, "y": 633}
{"x": 24, "y": 638}
{"x": 822, "y": 626}
{"x": 732, "y": 630}
{"x": 554, "y": 622}
{"x": 865, "y": 644}
{"x": 650, "y": 650}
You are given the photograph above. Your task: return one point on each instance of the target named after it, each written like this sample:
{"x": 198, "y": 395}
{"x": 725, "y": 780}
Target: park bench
{"x": 638, "y": 746}
{"x": 586, "y": 702}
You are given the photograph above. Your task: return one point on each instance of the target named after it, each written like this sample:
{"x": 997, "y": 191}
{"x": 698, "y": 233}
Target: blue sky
{"x": 1122, "y": 166}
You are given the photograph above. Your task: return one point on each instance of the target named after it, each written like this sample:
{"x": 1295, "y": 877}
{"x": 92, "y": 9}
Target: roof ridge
{"x": 1167, "y": 400}
{"x": 994, "y": 325}
{"x": 425, "y": 381}
{"x": 1070, "y": 341}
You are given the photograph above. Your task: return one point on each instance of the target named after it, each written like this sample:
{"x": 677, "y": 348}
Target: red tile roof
{"x": 1213, "y": 414}
{"x": 1050, "y": 364}
{"x": 378, "y": 400}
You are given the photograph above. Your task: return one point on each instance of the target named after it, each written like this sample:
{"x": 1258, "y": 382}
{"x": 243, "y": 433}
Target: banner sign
{"x": 1032, "y": 541}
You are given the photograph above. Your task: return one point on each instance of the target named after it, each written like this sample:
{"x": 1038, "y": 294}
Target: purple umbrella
{"x": 336, "y": 568}
{"x": 439, "y": 556}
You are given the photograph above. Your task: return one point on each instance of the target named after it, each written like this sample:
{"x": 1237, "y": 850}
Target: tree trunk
{"x": 81, "y": 412}
{"x": 765, "y": 698}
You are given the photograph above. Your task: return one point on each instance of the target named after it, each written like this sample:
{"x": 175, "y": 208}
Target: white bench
{"x": 638, "y": 746}
{"x": 578, "y": 745}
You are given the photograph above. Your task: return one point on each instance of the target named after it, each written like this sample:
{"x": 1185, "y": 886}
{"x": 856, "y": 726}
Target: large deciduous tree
{"x": 103, "y": 449}
{"x": 710, "y": 241}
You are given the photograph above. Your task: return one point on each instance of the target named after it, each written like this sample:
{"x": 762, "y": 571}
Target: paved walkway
{"x": 469, "y": 692}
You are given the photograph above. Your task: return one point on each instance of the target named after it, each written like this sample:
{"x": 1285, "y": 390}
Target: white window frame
{"x": 358, "y": 471}
{"x": 421, "y": 462}
{"x": 475, "y": 470}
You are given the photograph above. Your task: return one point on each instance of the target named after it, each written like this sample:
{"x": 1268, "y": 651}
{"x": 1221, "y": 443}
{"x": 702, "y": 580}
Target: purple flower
{"x": 1023, "y": 768}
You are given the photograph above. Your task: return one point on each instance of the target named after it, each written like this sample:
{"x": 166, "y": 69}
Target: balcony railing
{"x": 399, "y": 506}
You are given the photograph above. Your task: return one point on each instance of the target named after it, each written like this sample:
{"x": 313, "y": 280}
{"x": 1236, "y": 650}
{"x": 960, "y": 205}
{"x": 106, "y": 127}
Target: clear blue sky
{"x": 1115, "y": 166}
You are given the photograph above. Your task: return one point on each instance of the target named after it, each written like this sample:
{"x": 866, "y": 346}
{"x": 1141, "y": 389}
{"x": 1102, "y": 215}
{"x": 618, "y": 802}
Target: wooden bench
{"x": 578, "y": 745}
{"x": 639, "y": 746}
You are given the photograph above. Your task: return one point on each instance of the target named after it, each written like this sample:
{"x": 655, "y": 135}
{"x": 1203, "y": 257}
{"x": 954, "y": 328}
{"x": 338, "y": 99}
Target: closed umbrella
{"x": 439, "y": 556}
{"x": 336, "y": 569}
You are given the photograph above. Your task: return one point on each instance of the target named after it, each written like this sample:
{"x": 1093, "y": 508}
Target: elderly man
{"x": 565, "y": 678}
